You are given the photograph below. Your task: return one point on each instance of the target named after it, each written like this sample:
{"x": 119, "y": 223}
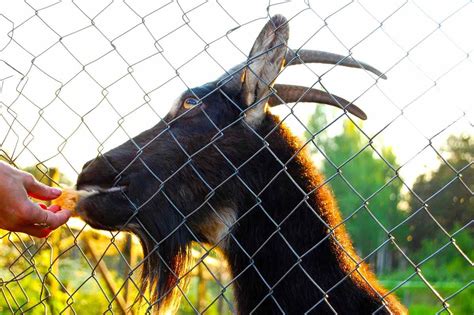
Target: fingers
{"x": 52, "y": 216}
{"x": 38, "y": 190}
{"x": 55, "y": 220}
{"x": 35, "y": 231}
{"x": 36, "y": 214}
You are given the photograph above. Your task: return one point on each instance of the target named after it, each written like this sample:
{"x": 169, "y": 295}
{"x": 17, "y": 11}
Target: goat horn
{"x": 317, "y": 56}
{"x": 295, "y": 93}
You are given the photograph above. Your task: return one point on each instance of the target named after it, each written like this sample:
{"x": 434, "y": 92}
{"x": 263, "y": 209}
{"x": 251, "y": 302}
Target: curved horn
{"x": 316, "y": 56}
{"x": 295, "y": 93}
{"x": 307, "y": 56}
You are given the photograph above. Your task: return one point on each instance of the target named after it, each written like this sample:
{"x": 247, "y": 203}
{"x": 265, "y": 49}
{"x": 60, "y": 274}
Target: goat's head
{"x": 171, "y": 183}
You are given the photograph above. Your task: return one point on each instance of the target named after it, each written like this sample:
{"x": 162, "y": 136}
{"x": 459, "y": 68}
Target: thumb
{"x": 37, "y": 214}
{"x": 56, "y": 219}
{"x": 40, "y": 191}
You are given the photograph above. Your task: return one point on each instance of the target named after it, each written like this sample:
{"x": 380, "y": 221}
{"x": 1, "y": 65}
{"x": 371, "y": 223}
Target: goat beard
{"x": 164, "y": 272}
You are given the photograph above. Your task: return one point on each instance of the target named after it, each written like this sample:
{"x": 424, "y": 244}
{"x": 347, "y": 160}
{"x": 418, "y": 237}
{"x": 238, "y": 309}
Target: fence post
{"x": 201, "y": 289}
{"x": 107, "y": 276}
{"x": 131, "y": 256}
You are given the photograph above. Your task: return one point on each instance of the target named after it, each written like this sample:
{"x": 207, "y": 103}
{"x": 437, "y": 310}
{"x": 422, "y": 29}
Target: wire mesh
{"x": 78, "y": 78}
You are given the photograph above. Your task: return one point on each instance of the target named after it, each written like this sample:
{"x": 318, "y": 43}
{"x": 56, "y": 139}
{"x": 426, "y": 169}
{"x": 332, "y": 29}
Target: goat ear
{"x": 263, "y": 66}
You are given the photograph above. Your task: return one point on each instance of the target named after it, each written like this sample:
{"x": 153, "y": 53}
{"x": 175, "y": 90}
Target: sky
{"x": 79, "y": 78}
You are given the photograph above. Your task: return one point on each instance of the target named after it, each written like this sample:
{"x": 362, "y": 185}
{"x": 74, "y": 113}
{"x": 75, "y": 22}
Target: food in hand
{"x": 69, "y": 199}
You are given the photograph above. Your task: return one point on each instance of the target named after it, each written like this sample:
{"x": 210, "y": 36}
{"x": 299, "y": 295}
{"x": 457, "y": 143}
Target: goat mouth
{"x": 112, "y": 189}
{"x": 94, "y": 189}
{"x": 99, "y": 203}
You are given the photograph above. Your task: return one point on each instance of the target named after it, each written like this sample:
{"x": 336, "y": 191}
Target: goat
{"x": 220, "y": 168}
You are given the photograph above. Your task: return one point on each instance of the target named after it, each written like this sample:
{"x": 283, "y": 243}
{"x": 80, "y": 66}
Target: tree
{"x": 446, "y": 195}
{"x": 365, "y": 186}
{"x": 447, "y": 192}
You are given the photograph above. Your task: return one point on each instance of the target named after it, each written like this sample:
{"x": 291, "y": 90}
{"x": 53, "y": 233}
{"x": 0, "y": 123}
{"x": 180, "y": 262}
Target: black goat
{"x": 219, "y": 168}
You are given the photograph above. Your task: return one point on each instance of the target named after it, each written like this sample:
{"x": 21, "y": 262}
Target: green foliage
{"x": 447, "y": 194}
{"x": 363, "y": 180}
{"x": 74, "y": 284}
{"x": 357, "y": 173}
{"x": 36, "y": 286}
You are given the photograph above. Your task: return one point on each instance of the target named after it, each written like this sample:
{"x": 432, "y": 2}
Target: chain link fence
{"x": 78, "y": 78}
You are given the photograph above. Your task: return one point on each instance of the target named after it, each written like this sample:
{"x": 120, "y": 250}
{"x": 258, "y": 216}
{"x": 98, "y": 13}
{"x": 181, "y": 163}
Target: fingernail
{"x": 56, "y": 191}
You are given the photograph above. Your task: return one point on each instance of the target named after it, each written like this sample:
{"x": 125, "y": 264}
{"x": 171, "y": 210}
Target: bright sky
{"x": 61, "y": 117}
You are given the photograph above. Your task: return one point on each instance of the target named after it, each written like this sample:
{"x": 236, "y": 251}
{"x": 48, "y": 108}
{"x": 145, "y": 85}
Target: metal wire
{"x": 106, "y": 265}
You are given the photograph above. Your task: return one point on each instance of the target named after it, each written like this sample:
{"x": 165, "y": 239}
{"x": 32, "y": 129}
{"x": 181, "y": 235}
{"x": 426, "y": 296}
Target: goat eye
{"x": 190, "y": 103}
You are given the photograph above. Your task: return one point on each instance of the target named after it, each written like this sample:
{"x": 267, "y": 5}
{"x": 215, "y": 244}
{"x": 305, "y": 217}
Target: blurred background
{"x": 78, "y": 78}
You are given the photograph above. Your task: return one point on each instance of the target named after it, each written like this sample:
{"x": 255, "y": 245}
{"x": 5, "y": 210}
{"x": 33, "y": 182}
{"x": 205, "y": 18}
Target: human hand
{"x": 18, "y": 213}
{"x": 52, "y": 208}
